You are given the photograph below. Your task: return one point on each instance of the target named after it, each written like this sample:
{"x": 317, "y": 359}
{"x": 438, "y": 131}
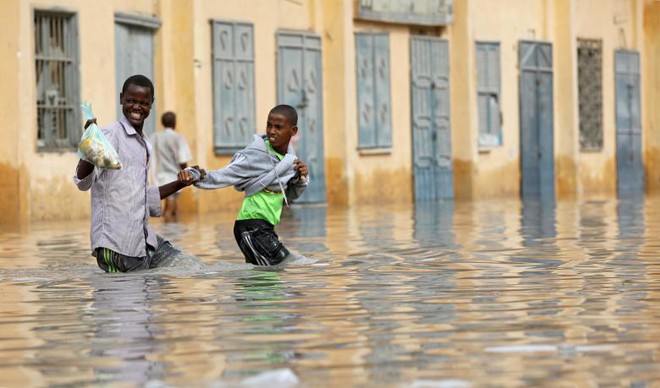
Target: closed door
{"x": 432, "y": 152}
{"x": 536, "y": 120}
{"x": 630, "y": 170}
{"x": 299, "y": 85}
{"x": 134, "y": 54}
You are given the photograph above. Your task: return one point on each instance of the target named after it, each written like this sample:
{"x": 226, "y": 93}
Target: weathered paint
{"x": 183, "y": 79}
{"x": 651, "y": 94}
{"x": 383, "y": 186}
{"x": 12, "y": 194}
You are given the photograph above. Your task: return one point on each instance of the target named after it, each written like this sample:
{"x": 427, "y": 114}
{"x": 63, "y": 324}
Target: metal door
{"x": 432, "y": 156}
{"x": 134, "y": 54}
{"x": 299, "y": 85}
{"x": 630, "y": 170}
{"x": 536, "y": 120}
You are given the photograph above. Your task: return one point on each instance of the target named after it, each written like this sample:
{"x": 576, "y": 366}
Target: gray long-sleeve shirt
{"x": 122, "y": 200}
{"x": 254, "y": 168}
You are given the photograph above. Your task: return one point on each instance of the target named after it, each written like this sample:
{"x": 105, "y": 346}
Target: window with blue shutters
{"x": 56, "y": 65}
{"x": 373, "y": 90}
{"x": 488, "y": 91}
{"x": 233, "y": 85}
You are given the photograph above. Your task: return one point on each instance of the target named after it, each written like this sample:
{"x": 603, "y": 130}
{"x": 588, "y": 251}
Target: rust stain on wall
{"x": 58, "y": 199}
{"x": 384, "y": 186}
{"x": 596, "y": 181}
{"x": 9, "y": 195}
{"x": 651, "y": 79}
{"x": 463, "y": 179}
{"x": 336, "y": 182}
{"x": 566, "y": 176}
{"x": 653, "y": 169}
{"x": 501, "y": 182}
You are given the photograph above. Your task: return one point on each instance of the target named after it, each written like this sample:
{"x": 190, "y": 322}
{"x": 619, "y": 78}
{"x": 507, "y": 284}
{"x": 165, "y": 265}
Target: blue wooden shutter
{"x": 134, "y": 54}
{"x": 373, "y": 78}
{"x": 233, "y": 85}
{"x": 488, "y": 91}
{"x": 366, "y": 89}
{"x": 630, "y": 169}
{"x": 382, "y": 91}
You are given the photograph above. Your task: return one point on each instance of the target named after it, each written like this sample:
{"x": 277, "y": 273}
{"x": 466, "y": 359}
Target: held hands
{"x": 190, "y": 175}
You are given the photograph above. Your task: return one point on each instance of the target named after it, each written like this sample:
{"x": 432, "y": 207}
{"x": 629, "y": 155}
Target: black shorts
{"x": 111, "y": 261}
{"x": 259, "y": 242}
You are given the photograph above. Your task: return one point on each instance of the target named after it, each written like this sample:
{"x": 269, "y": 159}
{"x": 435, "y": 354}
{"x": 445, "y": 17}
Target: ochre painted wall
{"x": 651, "y": 96}
{"x": 13, "y": 191}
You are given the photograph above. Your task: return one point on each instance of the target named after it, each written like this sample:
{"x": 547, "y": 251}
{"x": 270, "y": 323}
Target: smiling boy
{"x": 269, "y": 173}
{"x": 122, "y": 200}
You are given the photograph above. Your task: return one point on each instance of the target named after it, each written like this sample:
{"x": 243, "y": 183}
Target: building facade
{"x": 399, "y": 100}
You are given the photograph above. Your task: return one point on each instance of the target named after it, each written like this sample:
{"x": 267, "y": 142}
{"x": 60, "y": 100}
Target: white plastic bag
{"x": 94, "y": 147}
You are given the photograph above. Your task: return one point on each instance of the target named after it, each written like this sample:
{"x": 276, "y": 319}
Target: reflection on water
{"x": 502, "y": 293}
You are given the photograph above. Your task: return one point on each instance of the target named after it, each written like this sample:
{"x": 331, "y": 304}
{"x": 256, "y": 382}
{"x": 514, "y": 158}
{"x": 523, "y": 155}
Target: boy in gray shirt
{"x": 270, "y": 174}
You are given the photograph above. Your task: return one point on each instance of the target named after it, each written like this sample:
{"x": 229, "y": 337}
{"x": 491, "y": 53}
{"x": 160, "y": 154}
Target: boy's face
{"x": 136, "y": 104}
{"x": 279, "y": 131}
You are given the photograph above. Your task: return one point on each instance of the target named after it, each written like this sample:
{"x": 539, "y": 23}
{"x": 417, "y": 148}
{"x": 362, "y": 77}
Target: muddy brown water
{"x": 464, "y": 294}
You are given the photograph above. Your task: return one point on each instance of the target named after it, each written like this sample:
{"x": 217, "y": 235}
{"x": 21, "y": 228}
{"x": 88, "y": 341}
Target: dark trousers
{"x": 111, "y": 261}
{"x": 259, "y": 242}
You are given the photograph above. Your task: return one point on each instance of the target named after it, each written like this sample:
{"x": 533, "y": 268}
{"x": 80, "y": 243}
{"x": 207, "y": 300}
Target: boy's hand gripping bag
{"x": 94, "y": 147}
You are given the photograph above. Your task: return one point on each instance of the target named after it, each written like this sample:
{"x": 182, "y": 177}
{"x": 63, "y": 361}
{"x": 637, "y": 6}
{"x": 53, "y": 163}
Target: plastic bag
{"x": 94, "y": 147}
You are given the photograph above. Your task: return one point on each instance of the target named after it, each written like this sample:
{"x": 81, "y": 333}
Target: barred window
{"x": 590, "y": 93}
{"x": 55, "y": 54}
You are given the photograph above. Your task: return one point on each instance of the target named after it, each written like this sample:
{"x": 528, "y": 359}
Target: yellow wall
{"x": 38, "y": 186}
{"x": 651, "y": 96}
{"x": 13, "y": 179}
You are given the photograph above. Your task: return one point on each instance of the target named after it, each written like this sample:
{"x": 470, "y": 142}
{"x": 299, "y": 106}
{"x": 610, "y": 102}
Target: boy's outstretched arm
{"x": 184, "y": 178}
{"x": 233, "y": 173}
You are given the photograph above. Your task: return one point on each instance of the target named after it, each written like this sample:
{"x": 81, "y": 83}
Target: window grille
{"x": 590, "y": 94}
{"x": 55, "y": 51}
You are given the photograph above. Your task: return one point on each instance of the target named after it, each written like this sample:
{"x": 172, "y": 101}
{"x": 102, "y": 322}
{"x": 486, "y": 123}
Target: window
{"x": 373, "y": 89}
{"x": 590, "y": 94}
{"x": 55, "y": 54}
{"x": 488, "y": 94}
{"x": 233, "y": 86}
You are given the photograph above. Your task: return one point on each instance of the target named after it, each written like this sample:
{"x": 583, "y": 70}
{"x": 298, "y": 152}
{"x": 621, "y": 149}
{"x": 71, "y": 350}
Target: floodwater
{"x": 491, "y": 293}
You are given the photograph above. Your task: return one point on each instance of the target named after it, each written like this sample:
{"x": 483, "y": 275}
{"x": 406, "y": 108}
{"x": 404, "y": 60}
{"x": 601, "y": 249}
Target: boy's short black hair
{"x": 168, "y": 119}
{"x": 138, "y": 80}
{"x": 287, "y": 111}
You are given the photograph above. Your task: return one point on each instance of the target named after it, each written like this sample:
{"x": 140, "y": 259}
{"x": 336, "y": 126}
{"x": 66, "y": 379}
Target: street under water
{"x": 449, "y": 294}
